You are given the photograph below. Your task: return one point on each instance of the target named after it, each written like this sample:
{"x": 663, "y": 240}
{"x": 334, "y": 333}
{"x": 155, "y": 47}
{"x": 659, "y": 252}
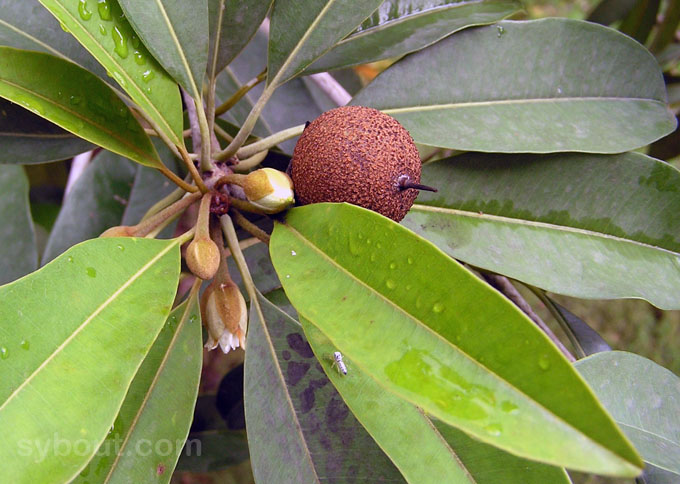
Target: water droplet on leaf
{"x": 148, "y": 75}
{"x": 83, "y": 11}
{"x": 91, "y": 272}
{"x": 438, "y": 307}
{"x": 119, "y": 43}
{"x": 25, "y": 345}
{"x": 390, "y": 284}
{"x": 544, "y": 362}
{"x": 4, "y": 353}
{"x": 104, "y": 9}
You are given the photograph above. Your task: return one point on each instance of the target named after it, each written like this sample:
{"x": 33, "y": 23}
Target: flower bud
{"x": 225, "y": 315}
{"x": 203, "y": 257}
{"x": 268, "y": 190}
{"x": 119, "y": 231}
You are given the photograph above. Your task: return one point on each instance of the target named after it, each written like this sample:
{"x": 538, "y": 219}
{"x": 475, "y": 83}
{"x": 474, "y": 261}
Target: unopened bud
{"x": 119, "y": 231}
{"x": 203, "y": 257}
{"x": 225, "y": 315}
{"x": 269, "y": 190}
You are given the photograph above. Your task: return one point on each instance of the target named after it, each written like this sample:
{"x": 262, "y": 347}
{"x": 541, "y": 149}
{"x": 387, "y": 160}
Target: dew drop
{"x": 438, "y": 307}
{"x": 83, "y": 11}
{"x": 148, "y": 90}
{"x": 368, "y": 241}
{"x": 193, "y": 318}
{"x": 148, "y": 75}
{"x": 501, "y": 30}
{"x": 102, "y": 29}
{"x": 287, "y": 276}
{"x": 373, "y": 257}
{"x": 292, "y": 252}
{"x": 75, "y": 100}
{"x": 120, "y": 247}
{"x": 390, "y": 284}
{"x": 378, "y": 245}
{"x": 544, "y": 362}
{"x": 4, "y": 353}
{"x": 119, "y": 43}
{"x": 134, "y": 40}
{"x": 139, "y": 58}
{"x": 119, "y": 78}
{"x": 63, "y": 27}
{"x": 509, "y": 407}
{"x": 104, "y": 9}
{"x": 25, "y": 345}
{"x": 91, "y": 272}
{"x": 409, "y": 260}
{"x": 393, "y": 265}
{"x": 69, "y": 258}
{"x": 494, "y": 430}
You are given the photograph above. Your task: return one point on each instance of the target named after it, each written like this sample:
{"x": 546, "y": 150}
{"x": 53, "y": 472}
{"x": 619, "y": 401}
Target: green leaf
{"x": 27, "y": 138}
{"x": 292, "y": 104}
{"x": 27, "y": 25}
{"x": 232, "y": 24}
{"x": 152, "y": 425}
{"x": 294, "y": 416}
{"x": 176, "y": 33}
{"x": 102, "y": 29}
{"x": 18, "y": 252}
{"x": 405, "y": 26}
{"x": 644, "y": 399}
{"x": 73, "y": 335}
{"x": 303, "y": 31}
{"x": 434, "y": 334}
{"x": 96, "y": 202}
{"x": 571, "y": 86}
{"x": 563, "y": 213}
{"x": 74, "y": 99}
{"x": 400, "y": 427}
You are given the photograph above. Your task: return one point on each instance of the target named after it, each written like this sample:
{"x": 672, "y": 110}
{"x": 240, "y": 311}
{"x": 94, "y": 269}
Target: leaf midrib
{"x": 133, "y": 148}
{"x": 496, "y": 102}
{"x": 123, "y": 72}
{"x": 457, "y": 349}
{"x": 543, "y": 225}
{"x": 87, "y": 320}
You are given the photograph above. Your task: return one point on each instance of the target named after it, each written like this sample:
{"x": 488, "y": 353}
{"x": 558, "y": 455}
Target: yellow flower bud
{"x": 268, "y": 190}
{"x": 225, "y": 315}
{"x": 203, "y": 257}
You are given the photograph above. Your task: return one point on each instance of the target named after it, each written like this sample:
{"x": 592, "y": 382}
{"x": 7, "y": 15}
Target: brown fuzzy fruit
{"x": 357, "y": 155}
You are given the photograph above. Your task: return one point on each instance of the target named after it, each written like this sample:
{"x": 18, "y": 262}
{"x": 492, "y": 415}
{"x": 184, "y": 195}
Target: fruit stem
{"x": 248, "y": 125}
{"x": 243, "y": 90}
{"x": 235, "y": 249}
{"x": 269, "y": 141}
{"x": 248, "y": 226}
{"x": 145, "y": 227}
{"x": 206, "y": 140}
{"x": 405, "y": 183}
{"x": 176, "y": 180}
{"x": 192, "y": 169}
{"x": 203, "y": 221}
{"x": 252, "y": 162}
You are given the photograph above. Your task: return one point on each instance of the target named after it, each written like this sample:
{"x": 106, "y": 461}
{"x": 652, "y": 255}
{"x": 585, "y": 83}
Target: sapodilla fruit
{"x": 357, "y": 155}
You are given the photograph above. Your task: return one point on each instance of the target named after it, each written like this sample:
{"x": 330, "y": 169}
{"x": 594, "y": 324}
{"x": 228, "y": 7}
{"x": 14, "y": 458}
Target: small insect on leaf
{"x": 337, "y": 361}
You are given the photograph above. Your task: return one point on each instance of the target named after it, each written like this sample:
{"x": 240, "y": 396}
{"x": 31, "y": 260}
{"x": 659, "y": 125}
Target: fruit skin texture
{"x": 357, "y": 155}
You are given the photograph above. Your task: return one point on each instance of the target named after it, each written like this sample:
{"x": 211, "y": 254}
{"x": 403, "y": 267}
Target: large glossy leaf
{"x": 176, "y": 33}
{"x": 644, "y": 399}
{"x": 152, "y": 425}
{"x": 568, "y": 223}
{"x": 302, "y": 31}
{"x": 232, "y": 24}
{"x": 101, "y": 27}
{"x": 73, "y": 336}
{"x": 74, "y": 99}
{"x": 293, "y": 415}
{"x": 570, "y": 86}
{"x": 431, "y": 332}
{"x": 405, "y": 26}
{"x": 292, "y": 104}
{"x": 28, "y": 25}
{"x": 27, "y": 138}
{"x": 96, "y": 202}
{"x": 18, "y": 252}
{"x": 400, "y": 427}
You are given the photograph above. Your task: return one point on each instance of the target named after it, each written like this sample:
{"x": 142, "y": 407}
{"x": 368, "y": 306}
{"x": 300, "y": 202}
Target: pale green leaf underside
{"x": 103, "y": 30}
{"x": 571, "y": 86}
{"x": 416, "y": 317}
{"x": 73, "y": 335}
{"x": 646, "y": 408}
{"x": 399, "y": 28}
{"x": 582, "y": 220}
{"x": 302, "y": 31}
